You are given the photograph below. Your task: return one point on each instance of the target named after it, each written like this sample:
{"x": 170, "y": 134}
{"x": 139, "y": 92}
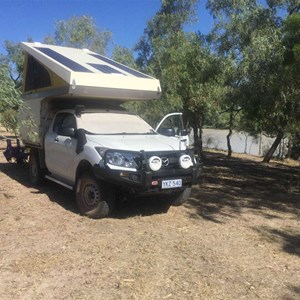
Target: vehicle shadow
{"x": 66, "y": 199}
{"x": 54, "y": 192}
{"x": 142, "y": 206}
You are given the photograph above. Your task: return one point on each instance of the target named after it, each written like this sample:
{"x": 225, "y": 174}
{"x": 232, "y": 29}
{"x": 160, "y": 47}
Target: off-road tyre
{"x": 36, "y": 173}
{"x": 94, "y": 198}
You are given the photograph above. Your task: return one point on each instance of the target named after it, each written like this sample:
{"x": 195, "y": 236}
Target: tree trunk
{"x": 246, "y": 143}
{"x": 197, "y": 125}
{"x": 198, "y": 140}
{"x": 260, "y": 144}
{"x": 273, "y": 148}
{"x": 229, "y": 153}
{"x": 228, "y": 137}
{"x": 288, "y": 155}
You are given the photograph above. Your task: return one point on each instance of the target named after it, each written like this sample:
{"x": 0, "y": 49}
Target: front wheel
{"x": 94, "y": 199}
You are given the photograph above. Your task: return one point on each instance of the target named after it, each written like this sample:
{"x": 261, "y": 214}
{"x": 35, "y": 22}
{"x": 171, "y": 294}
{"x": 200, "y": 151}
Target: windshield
{"x": 114, "y": 123}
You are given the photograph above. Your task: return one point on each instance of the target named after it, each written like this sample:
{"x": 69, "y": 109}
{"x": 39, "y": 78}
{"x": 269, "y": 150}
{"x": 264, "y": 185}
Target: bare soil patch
{"x": 237, "y": 237}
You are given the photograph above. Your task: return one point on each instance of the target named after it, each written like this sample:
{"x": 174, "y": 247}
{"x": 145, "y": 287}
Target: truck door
{"x": 60, "y": 147}
{"x": 172, "y": 125}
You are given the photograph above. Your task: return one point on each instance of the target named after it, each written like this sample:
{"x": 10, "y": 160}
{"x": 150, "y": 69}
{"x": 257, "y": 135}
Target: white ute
{"x": 80, "y": 137}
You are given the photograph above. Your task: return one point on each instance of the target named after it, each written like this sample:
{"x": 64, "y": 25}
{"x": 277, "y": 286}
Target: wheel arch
{"x": 83, "y": 167}
{"x": 40, "y": 153}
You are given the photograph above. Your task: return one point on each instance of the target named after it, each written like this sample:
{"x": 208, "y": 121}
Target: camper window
{"x": 37, "y": 76}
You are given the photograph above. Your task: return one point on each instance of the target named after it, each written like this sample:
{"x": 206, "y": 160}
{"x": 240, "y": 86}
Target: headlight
{"x": 120, "y": 160}
{"x": 115, "y": 158}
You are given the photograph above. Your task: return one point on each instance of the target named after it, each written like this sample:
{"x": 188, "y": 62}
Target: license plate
{"x": 171, "y": 184}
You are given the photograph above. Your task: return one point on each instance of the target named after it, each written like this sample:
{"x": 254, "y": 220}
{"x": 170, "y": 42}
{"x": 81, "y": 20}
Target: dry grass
{"x": 238, "y": 237}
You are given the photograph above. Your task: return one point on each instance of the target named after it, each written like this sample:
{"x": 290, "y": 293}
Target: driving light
{"x": 155, "y": 163}
{"x": 185, "y": 161}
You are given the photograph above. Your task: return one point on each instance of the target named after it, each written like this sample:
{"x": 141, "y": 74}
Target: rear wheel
{"x": 36, "y": 174}
{"x": 94, "y": 198}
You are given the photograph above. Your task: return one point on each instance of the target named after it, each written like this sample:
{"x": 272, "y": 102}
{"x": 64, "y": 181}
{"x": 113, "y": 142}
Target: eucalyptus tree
{"x": 193, "y": 77}
{"x": 234, "y": 22}
{"x": 182, "y": 61}
{"x": 291, "y": 39}
{"x": 9, "y": 99}
{"x": 124, "y": 56}
{"x": 252, "y": 35}
{"x": 162, "y": 36}
{"x": 80, "y": 32}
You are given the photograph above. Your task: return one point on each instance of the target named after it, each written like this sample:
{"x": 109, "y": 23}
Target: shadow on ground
{"x": 55, "y": 193}
{"x": 140, "y": 207}
{"x": 288, "y": 240}
{"x": 229, "y": 185}
{"x": 65, "y": 198}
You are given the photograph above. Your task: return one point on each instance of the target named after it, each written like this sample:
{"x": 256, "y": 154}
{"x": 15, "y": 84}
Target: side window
{"x": 63, "y": 121}
{"x": 68, "y": 122}
{"x": 37, "y": 76}
{"x": 57, "y": 123}
{"x": 171, "y": 126}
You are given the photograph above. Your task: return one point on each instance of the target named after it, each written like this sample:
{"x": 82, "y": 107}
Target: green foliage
{"x": 9, "y": 95}
{"x": 185, "y": 65}
{"x": 260, "y": 81}
{"x": 157, "y": 48}
{"x": 290, "y": 5}
{"x": 9, "y": 100}
{"x": 80, "y": 32}
{"x": 9, "y": 119}
{"x": 14, "y": 61}
{"x": 291, "y": 40}
{"x": 161, "y": 32}
{"x": 15, "y": 55}
{"x": 124, "y": 56}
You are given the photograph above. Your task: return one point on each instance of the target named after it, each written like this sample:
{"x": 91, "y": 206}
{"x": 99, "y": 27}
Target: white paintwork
{"x": 155, "y": 142}
{"x": 95, "y": 83}
{"x": 62, "y": 160}
{"x": 85, "y": 86}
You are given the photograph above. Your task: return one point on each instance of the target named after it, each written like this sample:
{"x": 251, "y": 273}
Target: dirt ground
{"x": 237, "y": 237}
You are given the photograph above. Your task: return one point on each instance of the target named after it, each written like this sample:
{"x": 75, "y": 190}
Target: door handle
{"x": 56, "y": 139}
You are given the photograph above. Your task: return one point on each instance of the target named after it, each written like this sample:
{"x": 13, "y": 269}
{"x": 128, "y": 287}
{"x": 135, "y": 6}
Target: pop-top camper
{"x": 80, "y": 137}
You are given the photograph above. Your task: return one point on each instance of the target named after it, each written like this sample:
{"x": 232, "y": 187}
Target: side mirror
{"x": 71, "y": 132}
{"x": 183, "y": 132}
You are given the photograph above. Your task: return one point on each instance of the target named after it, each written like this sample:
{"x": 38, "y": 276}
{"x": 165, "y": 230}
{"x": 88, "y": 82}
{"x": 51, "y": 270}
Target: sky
{"x": 126, "y": 19}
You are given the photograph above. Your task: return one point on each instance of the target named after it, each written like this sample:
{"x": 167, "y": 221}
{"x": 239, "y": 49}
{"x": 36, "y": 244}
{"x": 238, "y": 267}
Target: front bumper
{"x": 146, "y": 181}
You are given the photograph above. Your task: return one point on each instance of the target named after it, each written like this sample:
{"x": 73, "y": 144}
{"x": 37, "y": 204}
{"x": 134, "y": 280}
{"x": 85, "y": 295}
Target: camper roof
{"x": 71, "y": 73}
